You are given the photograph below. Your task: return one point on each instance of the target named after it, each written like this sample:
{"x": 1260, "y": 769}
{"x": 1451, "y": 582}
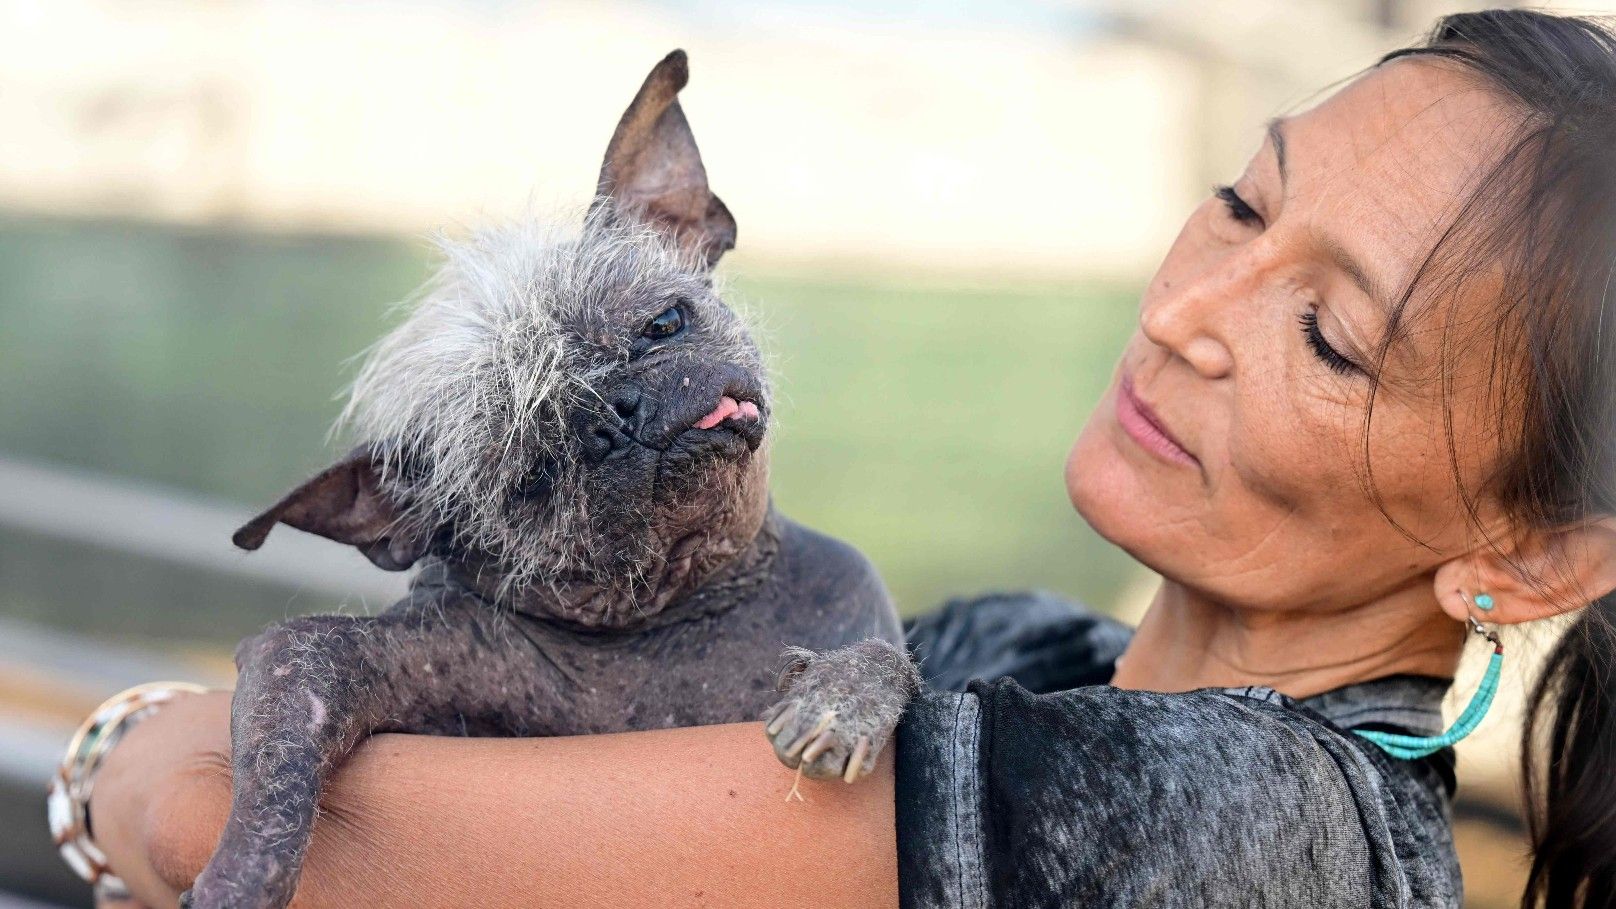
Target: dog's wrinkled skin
{"x": 568, "y": 436}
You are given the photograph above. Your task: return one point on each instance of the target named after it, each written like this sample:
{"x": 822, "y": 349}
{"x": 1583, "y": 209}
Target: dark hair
{"x": 1544, "y": 215}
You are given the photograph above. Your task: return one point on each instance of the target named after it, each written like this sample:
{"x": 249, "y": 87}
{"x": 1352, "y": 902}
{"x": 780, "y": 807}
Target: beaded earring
{"x": 1411, "y": 747}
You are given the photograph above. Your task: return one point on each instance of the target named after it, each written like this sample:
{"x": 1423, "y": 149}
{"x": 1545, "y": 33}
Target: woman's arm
{"x": 679, "y": 817}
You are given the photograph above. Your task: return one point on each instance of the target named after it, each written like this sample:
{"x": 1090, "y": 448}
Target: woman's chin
{"x": 1111, "y": 492}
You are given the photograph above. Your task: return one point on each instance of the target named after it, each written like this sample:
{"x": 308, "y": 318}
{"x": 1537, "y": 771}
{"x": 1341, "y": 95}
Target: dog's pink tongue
{"x": 726, "y": 408}
{"x": 729, "y": 408}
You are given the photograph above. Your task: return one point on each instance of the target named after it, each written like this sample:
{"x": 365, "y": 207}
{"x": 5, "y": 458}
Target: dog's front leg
{"x": 310, "y": 690}
{"x": 307, "y": 691}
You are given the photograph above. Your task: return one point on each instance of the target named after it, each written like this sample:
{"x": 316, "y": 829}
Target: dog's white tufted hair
{"x": 515, "y": 332}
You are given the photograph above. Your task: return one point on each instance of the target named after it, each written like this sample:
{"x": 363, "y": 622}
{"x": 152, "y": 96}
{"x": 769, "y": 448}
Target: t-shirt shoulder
{"x": 1098, "y": 796}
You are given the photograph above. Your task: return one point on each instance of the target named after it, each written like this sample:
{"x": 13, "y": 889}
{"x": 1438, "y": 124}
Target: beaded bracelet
{"x": 69, "y": 795}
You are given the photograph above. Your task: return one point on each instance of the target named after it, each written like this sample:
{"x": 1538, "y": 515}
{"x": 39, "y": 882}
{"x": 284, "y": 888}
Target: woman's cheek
{"x": 1139, "y": 506}
{"x": 1100, "y": 483}
{"x": 1287, "y": 458}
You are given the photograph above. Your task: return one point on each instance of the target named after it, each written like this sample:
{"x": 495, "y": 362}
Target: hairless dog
{"x": 567, "y": 439}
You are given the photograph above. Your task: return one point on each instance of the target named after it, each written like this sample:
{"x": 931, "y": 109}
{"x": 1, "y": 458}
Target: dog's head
{"x": 574, "y": 423}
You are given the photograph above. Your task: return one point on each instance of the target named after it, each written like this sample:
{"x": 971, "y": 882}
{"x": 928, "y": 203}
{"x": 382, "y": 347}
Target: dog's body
{"x": 568, "y": 436}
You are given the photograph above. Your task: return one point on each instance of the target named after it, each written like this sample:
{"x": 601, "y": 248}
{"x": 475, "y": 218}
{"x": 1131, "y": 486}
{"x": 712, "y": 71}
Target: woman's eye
{"x": 1322, "y": 348}
{"x": 1237, "y": 207}
{"x": 668, "y": 323}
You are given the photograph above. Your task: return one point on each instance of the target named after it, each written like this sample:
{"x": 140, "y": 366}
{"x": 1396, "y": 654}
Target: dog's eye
{"x": 538, "y": 483}
{"x": 668, "y": 323}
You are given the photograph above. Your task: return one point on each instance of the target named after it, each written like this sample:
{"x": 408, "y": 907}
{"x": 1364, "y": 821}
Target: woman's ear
{"x": 1543, "y": 573}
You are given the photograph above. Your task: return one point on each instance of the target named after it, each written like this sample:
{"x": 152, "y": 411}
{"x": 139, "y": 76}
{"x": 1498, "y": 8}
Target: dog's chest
{"x": 692, "y": 675}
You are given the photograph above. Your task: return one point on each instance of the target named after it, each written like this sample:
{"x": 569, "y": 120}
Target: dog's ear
{"x": 654, "y": 172}
{"x": 345, "y": 502}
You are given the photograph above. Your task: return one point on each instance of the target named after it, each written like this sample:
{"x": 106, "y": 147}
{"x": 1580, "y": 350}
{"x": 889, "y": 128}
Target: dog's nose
{"x": 609, "y": 434}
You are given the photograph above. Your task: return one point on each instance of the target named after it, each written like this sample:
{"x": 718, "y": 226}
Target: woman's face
{"x": 1229, "y": 453}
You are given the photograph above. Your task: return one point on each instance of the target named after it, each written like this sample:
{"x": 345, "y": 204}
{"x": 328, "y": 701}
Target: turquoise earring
{"x": 1411, "y": 747}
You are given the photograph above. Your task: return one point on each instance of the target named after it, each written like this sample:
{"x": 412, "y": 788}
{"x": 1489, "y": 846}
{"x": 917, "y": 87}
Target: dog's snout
{"x": 626, "y": 404}
{"x": 609, "y": 433}
{"x": 601, "y": 442}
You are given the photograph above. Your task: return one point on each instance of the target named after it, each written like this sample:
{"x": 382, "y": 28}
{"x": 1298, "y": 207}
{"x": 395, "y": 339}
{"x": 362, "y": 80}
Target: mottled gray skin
{"x": 445, "y": 661}
{"x": 604, "y": 564}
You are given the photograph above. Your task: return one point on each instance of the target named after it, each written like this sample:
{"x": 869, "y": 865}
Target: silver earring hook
{"x": 1490, "y": 634}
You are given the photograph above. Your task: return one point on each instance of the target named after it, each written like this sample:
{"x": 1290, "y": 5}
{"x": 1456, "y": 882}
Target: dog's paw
{"x": 825, "y": 745}
{"x": 840, "y": 707}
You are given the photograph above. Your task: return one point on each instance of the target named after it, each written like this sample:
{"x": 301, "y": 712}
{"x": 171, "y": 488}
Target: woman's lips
{"x": 1143, "y": 426}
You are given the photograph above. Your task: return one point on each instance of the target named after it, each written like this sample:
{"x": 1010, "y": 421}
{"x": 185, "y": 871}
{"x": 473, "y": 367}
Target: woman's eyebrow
{"x": 1339, "y": 256}
{"x": 1344, "y": 260}
{"x": 1276, "y": 138}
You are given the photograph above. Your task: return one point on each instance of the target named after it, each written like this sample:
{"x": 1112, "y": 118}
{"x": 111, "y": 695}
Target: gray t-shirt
{"x": 1047, "y": 787}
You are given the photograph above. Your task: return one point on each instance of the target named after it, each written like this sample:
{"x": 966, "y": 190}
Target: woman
{"x": 1368, "y": 403}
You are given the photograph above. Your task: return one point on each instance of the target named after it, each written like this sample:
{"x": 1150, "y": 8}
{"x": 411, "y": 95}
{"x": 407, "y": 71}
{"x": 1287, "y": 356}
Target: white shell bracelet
{"x": 69, "y": 796}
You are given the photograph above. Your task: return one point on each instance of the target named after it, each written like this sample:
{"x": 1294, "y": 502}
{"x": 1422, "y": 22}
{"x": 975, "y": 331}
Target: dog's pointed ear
{"x": 346, "y": 502}
{"x": 654, "y": 172}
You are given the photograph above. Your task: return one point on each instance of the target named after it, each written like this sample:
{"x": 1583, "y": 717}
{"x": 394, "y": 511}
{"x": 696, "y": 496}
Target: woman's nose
{"x": 1194, "y": 319}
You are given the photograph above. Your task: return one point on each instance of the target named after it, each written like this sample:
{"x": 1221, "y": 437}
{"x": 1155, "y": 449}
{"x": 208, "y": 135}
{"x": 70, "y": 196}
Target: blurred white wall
{"x": 1068, "y": 149}
{"x": 1071, "y": 142}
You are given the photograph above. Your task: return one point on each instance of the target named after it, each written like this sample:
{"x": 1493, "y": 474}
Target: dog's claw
{"x": 778, "y": 716}
{"x": 802, "y": 741}
{"x": 793, "y": 667}
{"x": 855, "y": 762}
{"x": 818, "y": 747}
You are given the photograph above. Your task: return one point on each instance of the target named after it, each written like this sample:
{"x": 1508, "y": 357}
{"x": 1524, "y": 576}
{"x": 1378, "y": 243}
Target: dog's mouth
{"x": 726, "y": 416}
{"x": 729, "y": 410}
{"x": 735, "y": 423}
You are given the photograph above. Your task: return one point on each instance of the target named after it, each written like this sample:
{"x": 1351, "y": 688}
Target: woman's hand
{"x": 677, "y": 817}
{"x": 173, "y": 764}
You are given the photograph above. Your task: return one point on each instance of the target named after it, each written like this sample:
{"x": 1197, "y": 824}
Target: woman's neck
{"x": 1187, "y": 641}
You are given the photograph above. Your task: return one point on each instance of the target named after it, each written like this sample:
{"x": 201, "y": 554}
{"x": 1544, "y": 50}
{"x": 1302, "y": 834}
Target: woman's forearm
{"x": 680, "y": 817}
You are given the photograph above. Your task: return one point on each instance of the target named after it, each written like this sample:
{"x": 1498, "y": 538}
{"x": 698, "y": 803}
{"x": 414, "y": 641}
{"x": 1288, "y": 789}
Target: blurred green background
{"x": 947, "y": 211}
{"x": 927, "y": 425}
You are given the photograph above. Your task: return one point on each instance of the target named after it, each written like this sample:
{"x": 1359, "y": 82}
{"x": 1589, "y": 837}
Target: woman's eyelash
{"x": 1321, "y": 348}
{"x": 1238, "y": 209}
{"x": 1245, "y": 214}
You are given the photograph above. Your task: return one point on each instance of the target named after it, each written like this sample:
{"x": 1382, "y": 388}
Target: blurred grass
{"x": 924, "y": 422}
